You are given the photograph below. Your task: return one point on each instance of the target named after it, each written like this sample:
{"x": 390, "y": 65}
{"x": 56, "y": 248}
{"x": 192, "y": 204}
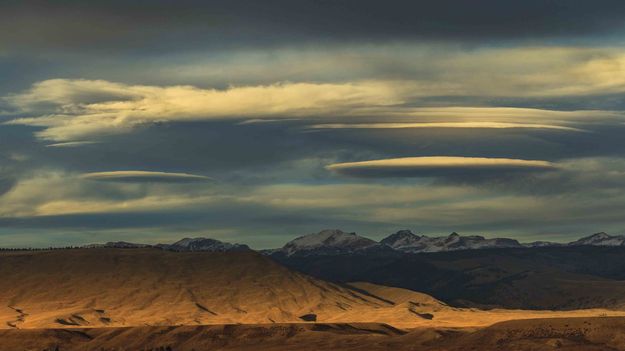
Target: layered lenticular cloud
{"x": 144, "y": 176}
{"x": 477, "y": 125}
{"x": 72, "y": 112}
{"x": 437, "y": 166}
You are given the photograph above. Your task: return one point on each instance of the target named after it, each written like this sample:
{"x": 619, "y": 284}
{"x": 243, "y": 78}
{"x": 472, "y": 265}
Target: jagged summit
{"x": 401, "y": 238}
{"x": 329, "y": 241}
{"x": 406, "y": 241}
{"x": 186, "y": 244}
{"x": 118, "y": 245}
{"x": 336, "y": 241}
{"x": 542, "y": 244}
{"x": 203, "y": 244}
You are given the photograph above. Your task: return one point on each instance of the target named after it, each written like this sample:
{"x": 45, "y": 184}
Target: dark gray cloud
{"x": 6, "y": 183}
{"x": 603, "y": 140}
{"x": 266, "y": 152}
{"x": 261, "y": 152}
{"x": 220, "y": 150}
{"x": 167, "y": 25}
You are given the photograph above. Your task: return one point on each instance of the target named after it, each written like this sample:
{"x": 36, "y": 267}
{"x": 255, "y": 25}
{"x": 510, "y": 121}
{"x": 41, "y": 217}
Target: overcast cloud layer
{"x": 258, "y": 121}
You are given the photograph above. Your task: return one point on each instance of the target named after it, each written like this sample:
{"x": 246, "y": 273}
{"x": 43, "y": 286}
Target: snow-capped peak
{"x": 188, "y": 242}
{"x": 202, "y": 244}
{"x": 402, "y": 238}
{"x": 600, "y": 239}
{"x": 328, "y": 241}
{"x": 600, "y": 236}
{"x": 407, "y": 242}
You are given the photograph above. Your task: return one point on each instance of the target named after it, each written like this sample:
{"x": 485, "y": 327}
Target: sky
{"x": 259, "y": 121}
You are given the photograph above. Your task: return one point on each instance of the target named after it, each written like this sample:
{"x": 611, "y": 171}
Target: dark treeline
{"x": 39, "y": 248}
{"x": 161, "y": 348}
{"x": 67, "y": 248}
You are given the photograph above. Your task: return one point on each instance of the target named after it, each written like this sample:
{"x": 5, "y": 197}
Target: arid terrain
{"x": 129, "y": 299}
{"x": 573, "y": 334}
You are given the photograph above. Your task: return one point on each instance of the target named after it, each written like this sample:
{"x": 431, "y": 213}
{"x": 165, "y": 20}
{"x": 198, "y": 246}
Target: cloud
{"x": 592, "y": 200}
{"x": 162, "y": 25}
{"x": 536, "y": 71}
{"x": 72, "y": 144}
{"x": 507, "y": 114}
{"x": 75, "y": 109}
{"x": 532, "y": 71}
{"x": 529, "y": 80}
{"x": 6, "y": 184}
{"x": 437, "y": 166}
{"x": 344, "y": 196}
{"x": 485, "y": 125}
{"x": 54, "y": 193}
{"x": 78, "y": 110}
{"x": 147, "y": 204}
{"x": 144, "y": 176}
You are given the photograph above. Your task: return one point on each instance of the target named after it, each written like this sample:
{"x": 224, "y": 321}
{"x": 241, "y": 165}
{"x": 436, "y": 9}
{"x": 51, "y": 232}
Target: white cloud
{"x": 71, "y": 144}
{"x": 402, "y": 125}
{"x": 435, "y": 165}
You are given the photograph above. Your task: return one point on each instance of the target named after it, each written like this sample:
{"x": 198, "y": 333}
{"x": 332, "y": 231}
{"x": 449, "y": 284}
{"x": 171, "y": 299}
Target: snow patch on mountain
{"x": 186, "y": 244}
{"x": 203, "y": 244}
{"x": 326, "y": 242}
{"x": 600, "y": 239}
{"x": 542, "y": 244}
{"x": 335, "y": 241}
{"x": 403, "y": 239}
{"x": 406, "y": 241}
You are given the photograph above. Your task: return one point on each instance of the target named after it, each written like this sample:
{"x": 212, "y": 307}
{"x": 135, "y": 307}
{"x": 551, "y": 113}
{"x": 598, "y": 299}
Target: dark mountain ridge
{"x": 561, "y": 277}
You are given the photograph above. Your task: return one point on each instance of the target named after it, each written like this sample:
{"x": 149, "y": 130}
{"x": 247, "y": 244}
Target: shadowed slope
{"x": 560, "y": 278}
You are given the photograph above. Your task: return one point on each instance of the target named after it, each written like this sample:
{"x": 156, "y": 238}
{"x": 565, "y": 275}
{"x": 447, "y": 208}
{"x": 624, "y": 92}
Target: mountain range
{"x": 334, "y": 241}
{"x": 186, "y": 244}
{"x": 472, "y": 271}
{"x": 321, "y": 281}
{"x": 337, "y": 242}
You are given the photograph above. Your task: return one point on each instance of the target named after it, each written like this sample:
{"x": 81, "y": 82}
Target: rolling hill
{"x": 114, "y": 287}
{"x": 121, "y": 287}
{"x": 108, "y": 287}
